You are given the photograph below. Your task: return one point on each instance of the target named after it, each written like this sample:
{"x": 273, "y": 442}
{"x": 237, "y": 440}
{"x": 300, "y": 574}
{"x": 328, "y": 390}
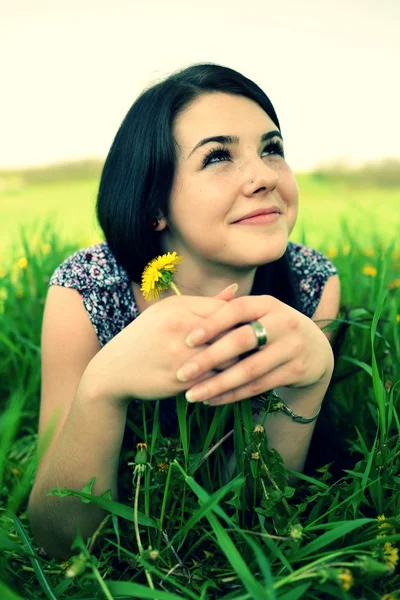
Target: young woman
{"x": 198, "y": 168}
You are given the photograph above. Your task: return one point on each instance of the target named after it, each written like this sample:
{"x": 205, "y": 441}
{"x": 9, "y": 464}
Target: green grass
{"x": 202, "y": 539}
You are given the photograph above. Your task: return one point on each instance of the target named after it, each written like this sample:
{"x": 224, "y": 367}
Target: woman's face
{"x": 216, "y": 184}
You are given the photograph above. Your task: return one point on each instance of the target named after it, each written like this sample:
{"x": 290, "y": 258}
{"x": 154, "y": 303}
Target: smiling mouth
{"x": 263, "y": 219}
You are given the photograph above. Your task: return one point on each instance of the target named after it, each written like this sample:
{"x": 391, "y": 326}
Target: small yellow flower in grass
{"x": 346, "y": 249}
{"x": 370, "y": 271}
{"x": 255, "y": 456}
{"x": 398, "y": 318}
{"x": 141, "y": 446}
{"x": 158, "y": 274}
{"x": 369, "y": 252}
{"x": 394, "y": 284}
{"x": 391, "y": 555}
{"x": 331, "y": 252}
{"x": 46, "y": 248}
{"x": 22, "y": 262}
{"x": 346, "y": 579}
{"x": 3, "y": 272}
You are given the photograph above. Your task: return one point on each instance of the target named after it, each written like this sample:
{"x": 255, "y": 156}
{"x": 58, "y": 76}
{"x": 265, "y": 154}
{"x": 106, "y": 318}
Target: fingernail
{"x": 194, "y": 337}
{"x": 197, "y": 395}
{"x": 233, "y": 287}
{"x": 187, "y": 372}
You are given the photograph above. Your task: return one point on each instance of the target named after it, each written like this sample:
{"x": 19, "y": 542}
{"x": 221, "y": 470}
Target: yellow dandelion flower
{"x": 394, "y": 284}
{"x": 158, "y": 274}
{"x": 398, "y": 318}
{"x": 141, "y": 446}
{"x": 391, "y": 555}
{"x": 46, "y": 248}
{"x": 370, "y": 252}
{"x": 346, "y": 579}
{"x": 370, "y": 271}
{"x": 3, "y": 272}
{"x": 331, "y": 252}
{"x": 23, "y": 262}
{"x": 255, "y": 456}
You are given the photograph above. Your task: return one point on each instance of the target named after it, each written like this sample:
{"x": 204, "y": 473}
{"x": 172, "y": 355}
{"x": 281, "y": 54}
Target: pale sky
{"x": 70, "y": 70}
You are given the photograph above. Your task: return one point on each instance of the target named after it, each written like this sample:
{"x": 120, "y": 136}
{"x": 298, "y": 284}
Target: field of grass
{"x": 191, "y": 536}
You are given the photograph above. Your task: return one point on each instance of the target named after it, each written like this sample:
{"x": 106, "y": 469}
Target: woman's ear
{"x": 162, "y": 223}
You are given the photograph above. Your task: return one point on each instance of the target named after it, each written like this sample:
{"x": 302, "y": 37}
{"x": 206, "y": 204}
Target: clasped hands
{"x": 297, "y": 354}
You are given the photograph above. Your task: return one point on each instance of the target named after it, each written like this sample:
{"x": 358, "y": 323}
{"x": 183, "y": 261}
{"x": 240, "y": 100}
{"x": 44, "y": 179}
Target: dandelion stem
{"x": 173, "y": 287}
{"x": 274, "y": 484}
{"x": 139, "y": 542}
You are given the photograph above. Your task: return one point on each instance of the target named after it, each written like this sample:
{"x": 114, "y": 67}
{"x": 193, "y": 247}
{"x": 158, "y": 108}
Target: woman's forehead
{"x": 220, "y": 114}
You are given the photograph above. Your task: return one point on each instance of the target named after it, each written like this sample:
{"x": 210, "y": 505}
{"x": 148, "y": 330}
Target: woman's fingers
{"x": 239, "y": 310}
{"x": 246, "y": 372}
{"x": 270, "y": 381}
{"x": 228, "y": 293}
{"x": 227, "y": 348}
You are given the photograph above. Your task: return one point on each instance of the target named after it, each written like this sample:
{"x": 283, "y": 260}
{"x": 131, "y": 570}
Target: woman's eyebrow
{"x": 233, "y": 139}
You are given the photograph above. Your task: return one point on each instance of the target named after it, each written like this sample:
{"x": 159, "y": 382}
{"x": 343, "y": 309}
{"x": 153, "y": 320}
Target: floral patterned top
{"x": 106, "y": 292}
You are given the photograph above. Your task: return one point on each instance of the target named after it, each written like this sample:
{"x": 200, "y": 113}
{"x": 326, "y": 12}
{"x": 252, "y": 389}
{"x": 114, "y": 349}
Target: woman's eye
{"x": 216, "y": 156}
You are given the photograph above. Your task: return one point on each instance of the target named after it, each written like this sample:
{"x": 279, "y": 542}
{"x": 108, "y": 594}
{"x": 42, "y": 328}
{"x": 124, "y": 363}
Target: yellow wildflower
{"x": 398, "y": 318}
{"x": 370, "y": 271}
{"x": 346, "y": 249}
{"x": 394, "y": 284}
{"x": 141, "y": 446}
{"x": 158, "y": 274}
{"x": 46, "y": 248}
{"x": 369, "y": 252}
{"x": 22, "y": 262}
{"x": 331, "y": 252}
{"x": 255, "y": 456}
{"x": 3, "y": 272}
{"x": 258, "y": 428}
{"x": 346, "y": 579}
{"x": 391, "y": 555}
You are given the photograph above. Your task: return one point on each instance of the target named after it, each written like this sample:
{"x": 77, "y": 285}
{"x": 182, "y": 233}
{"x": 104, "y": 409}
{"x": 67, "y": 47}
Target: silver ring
{"x": 260, "y": 332}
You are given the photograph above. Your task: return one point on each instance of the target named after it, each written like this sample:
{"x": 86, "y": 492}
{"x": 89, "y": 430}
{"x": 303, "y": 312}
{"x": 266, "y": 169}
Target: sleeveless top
{"x": 106, "y": 293}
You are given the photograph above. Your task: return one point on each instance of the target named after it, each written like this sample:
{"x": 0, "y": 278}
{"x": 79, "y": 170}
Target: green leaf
{"x": 296, "y": 593}
{"x": 116, "y": 508}
{"x": 87, "y": 489}
{"x": 37, "y": 567}
{"x": 329, "y": 537}
{"x": 7, "y": 594}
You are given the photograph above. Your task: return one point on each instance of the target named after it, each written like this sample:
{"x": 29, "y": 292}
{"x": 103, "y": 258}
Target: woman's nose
{"x": 264, "y": 178}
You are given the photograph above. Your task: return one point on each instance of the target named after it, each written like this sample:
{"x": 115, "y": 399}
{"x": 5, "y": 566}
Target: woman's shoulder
{"x": 91, "y": 267}
{"x": 104, "y": 287}
{"x": 312, "y": 269}
{"x": 306, "y": 261}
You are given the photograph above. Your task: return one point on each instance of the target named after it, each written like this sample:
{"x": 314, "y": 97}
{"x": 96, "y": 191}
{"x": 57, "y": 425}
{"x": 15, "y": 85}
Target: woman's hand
{"x": 297, "y": 353}
{"x": 141, "y": 361}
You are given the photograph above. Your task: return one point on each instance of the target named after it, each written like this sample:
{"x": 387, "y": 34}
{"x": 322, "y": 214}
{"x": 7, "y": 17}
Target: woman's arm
{"x": 291, "y": 439}
{"x": 88, "y": 445}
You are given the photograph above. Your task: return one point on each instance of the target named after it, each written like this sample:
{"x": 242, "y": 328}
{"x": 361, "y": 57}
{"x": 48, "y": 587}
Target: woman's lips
{"x": 260, "y": 219}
